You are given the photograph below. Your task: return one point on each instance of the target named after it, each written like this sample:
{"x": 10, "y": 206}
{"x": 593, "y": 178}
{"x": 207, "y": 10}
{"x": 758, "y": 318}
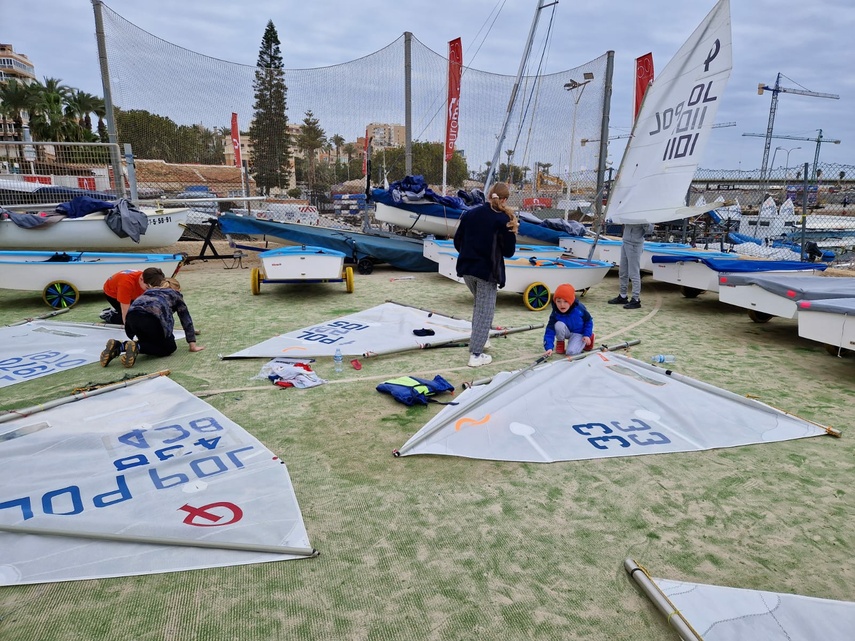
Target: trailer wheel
{"x": 60, "y": 294}
{"x": 691, "y": 292}
{"x": 348, "y": 279}
{"x": 255, "y": 281}
{"x": 365, "y": 266}
{"x": 536, "y": 296}
{"x": 759, "y": 317}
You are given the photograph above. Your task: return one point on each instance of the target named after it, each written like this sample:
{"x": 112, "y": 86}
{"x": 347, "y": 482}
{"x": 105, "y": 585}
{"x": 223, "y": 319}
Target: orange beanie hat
{"x": 565, "y": 291}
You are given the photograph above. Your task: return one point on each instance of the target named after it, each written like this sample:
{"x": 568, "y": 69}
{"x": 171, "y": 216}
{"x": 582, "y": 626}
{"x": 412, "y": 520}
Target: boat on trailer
{"x": 433, "y": 247}
{"x": 301, "y": 264}
{"x": 91, "y": 233}
{"x": 536, "y": 278}
{"x": 61, "y": 275}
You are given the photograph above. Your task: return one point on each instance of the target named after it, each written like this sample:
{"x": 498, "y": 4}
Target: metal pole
{"x": 526, "y": 52}
{"x": 408, "y": 103}
{"x": 604, "y": 133}
{"x": 663, "y": 604}
{"x": 804, "y": 211}
{"x": 132, "y": 172}
{"x": 115, "y": 160}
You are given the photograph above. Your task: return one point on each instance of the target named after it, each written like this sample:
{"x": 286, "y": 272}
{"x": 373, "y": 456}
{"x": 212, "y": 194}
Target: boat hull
{"x": 433, "y": 247}
{"x": 91, "y": 233}
{"x": 86, "y": 271}
{"x": 835, "y": 329}
{"x": 302, "y": 263}
{"x": 409, "y": 219}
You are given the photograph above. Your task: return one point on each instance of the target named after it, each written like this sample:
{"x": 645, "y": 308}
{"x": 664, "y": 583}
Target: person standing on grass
{"x": 630, "y": 265}
{"x": 569, "y": 321}
{"x": 485, "y": 236}
{"x": 123, "y": 287}
{"x": 149, "y": 325}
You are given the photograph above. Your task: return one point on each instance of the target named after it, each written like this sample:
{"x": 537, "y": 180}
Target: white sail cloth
{"x": 673, "y": 127}
{"x": 383, "y": 329}
{"x": 605, "y": 405}
{"x": 42, "y": 347}
{"x": 138, "y": 480}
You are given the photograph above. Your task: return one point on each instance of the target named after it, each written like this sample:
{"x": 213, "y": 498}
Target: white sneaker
{"x": 487, "y": 344}
{"x": 479, "y": 360}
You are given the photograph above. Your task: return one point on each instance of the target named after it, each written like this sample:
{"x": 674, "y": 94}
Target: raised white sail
{"x": 605, "y": 405}
{"x": 673, "y": 127}
{"x": 142, "y": 479}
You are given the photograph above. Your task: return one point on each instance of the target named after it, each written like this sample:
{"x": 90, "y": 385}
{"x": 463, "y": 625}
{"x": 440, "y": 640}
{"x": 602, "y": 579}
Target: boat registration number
{"x": 160, "y": 220}
{"x": 22, "y": 368}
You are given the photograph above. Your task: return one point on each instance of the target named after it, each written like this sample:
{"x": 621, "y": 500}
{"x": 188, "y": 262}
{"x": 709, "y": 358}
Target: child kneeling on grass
{"x": 569, "y": 321}
{"x": 150, "y": 321}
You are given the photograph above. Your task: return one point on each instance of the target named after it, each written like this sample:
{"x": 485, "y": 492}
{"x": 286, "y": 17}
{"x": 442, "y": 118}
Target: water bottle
{"x": 663, "y": 358}
{"x": 338, "y": 360}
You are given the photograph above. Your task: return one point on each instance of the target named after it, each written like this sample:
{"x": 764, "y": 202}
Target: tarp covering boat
{"x": 795, "y": 288}
{"x": 738, "y": 265}
{"x": 402, "y": 253}
{"x": 142, "y": 479}
{"x": 382, "y": 329}
{"x": 701, "y": 612}
{"x": 41, "y": 347}
{"x": 605, "y": 405}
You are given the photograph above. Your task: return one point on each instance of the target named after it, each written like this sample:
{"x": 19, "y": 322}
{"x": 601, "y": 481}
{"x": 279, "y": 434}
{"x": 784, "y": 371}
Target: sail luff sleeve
{"x": 663, "y": 604}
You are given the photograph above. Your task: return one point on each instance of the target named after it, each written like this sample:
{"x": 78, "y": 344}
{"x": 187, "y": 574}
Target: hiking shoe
{"x": 477, "y": 360}
{"x": 130, "y": 355}
{"x": 633, "y": 304}
{"x": 560, "y": 347}
{"x": 618, "y": 300}
{"x": 113, "y": 349}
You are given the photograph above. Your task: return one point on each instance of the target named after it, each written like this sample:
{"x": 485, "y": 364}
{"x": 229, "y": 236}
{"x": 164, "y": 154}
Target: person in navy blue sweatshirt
{"x": 485, "y": 236}
{"x": 569, "y": 321}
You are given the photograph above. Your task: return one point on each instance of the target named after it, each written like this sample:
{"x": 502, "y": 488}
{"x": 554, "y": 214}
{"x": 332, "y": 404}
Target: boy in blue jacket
{"x": 569, "y": 321}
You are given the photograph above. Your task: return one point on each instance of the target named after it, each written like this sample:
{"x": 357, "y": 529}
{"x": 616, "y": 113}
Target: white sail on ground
{"x": 40, "y": 347}
{"x": 383, "y": 329}
{"x": 604, "y": 405}
{"x": 139, "y": 480}
{"x": 717, "y": 613}
{"x": 673, "y": 126}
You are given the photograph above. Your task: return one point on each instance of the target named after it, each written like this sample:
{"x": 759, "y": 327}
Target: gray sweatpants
{"x": 630, "y": 268}
{"x": 575, "y": 342}
{"x": 482, "y": 312}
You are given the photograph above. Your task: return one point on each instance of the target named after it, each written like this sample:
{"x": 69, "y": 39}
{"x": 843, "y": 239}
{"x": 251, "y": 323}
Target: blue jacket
{"x": 577, "y": 319}
{"x": 483, "y": 241}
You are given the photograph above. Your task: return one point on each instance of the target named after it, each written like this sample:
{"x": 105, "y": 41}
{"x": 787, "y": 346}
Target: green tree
{"x": 311, "y": 139}
{"x": 268, "y": 132}
{"x": 427, "y": 161}
{"x": 14, "y": 101}
{"x": 337, "y": 141}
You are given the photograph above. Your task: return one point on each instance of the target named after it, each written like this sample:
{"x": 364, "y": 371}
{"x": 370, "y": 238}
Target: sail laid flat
{"x": 383, "y": 329}
{"x": 717, "y": 613}
{"x": 673, "y": 127}
{"x": 41, "y": 347}
{"x": 605, "y": 405}
{"x": 142, "y": 479}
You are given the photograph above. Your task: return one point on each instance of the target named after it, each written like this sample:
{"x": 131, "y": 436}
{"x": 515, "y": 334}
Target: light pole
{"x": 787, "y": 169}
{"x": 578, "y": 89}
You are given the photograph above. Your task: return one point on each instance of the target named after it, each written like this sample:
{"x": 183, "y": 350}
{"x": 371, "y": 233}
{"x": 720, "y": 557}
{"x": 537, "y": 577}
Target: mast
{"x": 541, "y": 4}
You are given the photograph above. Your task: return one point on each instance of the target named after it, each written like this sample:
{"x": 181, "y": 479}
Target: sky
{"x": 811, "y": 43}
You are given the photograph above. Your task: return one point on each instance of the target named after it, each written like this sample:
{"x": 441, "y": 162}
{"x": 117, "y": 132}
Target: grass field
{"x": 442, "y": 548}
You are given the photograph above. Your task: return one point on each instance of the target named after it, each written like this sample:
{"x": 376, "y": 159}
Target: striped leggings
{"x": 483, "y": 311}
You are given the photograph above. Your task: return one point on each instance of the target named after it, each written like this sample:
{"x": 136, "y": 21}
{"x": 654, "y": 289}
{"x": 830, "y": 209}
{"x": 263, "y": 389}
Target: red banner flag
{"x": 236, "y": 140}
{"x": 643, "y": 77}
{"x": 455, "y": 71}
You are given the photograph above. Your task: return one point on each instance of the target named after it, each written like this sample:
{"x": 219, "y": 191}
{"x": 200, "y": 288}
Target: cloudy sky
{"x": 811, "y": 43}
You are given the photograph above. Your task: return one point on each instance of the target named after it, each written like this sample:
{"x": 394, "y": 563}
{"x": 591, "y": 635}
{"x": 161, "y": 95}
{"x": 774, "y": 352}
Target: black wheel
{"x": 536, "y": 296}
{"x": 691, "y": 292}
{"x": 365, "y": 266}
{"x": 759, "y": 317}
{"x": 60, "y": 295}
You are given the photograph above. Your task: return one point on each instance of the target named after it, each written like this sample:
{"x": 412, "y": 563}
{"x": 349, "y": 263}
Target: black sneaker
{"x": 113, "y": 349}
{"x": 130, "y": 355}
{"x": 619, "y": 300}
{"x": 633, "y": 304}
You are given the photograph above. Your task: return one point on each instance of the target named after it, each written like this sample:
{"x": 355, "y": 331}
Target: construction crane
{"x": 773, "y": 108}
{"x": 818, "y": 140}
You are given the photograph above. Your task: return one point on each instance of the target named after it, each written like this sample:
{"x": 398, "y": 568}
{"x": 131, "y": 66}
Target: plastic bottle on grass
{"x": 663, "y": 358}
{"x": 338, "y": 360}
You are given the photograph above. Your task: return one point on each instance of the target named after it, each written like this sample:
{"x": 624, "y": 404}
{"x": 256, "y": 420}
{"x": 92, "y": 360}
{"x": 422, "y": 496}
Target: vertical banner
{"x": 236, "y": 140}
{"x": 455, "y": 70}
{"x": 643, "y": 77}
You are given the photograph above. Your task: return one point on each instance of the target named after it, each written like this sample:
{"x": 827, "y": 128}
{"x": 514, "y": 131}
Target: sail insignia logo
{"x": 212, "y": 514}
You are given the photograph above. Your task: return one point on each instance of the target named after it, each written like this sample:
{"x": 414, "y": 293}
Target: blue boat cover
{"x": 402, "y": 253}
{"x": 737, "y": 265}
{"x": 795, "y": 287}
{"x": 829, "y": 305}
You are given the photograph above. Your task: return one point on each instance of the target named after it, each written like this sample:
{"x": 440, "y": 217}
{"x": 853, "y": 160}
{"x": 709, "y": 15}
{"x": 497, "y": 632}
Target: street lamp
{"x": 787, "y": 168}
{"x": 578, "y": 89}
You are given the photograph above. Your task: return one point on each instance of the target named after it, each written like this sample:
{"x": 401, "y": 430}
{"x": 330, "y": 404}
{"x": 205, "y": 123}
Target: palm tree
{"x": 337, "y": 140}
{"x": 14, "y": 103}
{"x": 349, "y": 149}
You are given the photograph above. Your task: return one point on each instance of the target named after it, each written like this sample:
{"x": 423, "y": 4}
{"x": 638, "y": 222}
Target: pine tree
{"x": 268, "y": 132}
